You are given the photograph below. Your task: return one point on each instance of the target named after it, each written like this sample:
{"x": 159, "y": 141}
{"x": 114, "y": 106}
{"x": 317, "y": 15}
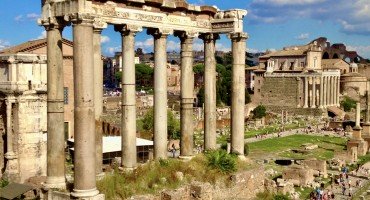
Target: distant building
{"x": 23, "y": 106}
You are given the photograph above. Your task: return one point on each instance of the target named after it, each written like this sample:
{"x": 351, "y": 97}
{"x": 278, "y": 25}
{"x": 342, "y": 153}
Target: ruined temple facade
{"x": 160, "y": 18}
{"x": 23, "y": 110}
{"x": 295, "y": 79}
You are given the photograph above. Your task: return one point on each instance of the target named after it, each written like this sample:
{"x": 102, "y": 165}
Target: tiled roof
{"x": 29, "y": 46}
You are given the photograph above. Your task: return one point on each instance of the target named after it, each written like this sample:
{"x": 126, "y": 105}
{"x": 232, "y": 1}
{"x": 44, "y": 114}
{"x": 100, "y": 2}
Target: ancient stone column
{"x": 12, "y": 165}
{"x": 334, "y": 90}
{"x": 238, "y": 43}
{"x": 83, "y": 73}
{"x": 210, "y": 117}
{"x": 366, "y": 124}
{"x": 313, "y": 103}
{"x": 325, "y": 91}
{"x": 338, "y": 92}
{"x": 128, "y": 119}
{"x": 321, "y": 98}
{"x": 329, "y": 91}
{"x": 55, "y": 107}
{"x": 187, "y": 94}
{"x": 98, "y": 95}
{"x": 160, "y": 92}
{"x": 305, "y": 92}
{"x": 356, "y": 135}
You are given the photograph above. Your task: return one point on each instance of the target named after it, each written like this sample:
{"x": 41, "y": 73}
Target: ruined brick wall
{"x": 280, "y": 91}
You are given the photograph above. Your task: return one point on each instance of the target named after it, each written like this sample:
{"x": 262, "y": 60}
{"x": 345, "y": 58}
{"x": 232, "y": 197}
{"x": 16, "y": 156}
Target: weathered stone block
{"x": 178, "y": 194}
{"x": 201, "y": 191}
{"x": 299, "y": 176}
{"x": 317, "y": 165}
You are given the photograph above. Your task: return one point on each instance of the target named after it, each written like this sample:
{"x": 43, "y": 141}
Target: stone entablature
{"x": 22, "y": 72}
{"x": 197, "y": 19}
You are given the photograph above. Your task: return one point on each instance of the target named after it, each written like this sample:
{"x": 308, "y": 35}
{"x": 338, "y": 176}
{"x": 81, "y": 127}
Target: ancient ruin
{"x": 161, "y": 18}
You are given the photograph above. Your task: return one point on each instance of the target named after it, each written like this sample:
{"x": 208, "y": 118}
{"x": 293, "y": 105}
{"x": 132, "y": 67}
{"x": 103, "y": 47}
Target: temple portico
{"x": 161, "y": 19}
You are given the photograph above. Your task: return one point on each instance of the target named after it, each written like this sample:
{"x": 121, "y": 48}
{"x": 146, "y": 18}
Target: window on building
{"x": 302, "y": 64}
{"x": 65, "y": 95}
{"x": 66, "y": 130}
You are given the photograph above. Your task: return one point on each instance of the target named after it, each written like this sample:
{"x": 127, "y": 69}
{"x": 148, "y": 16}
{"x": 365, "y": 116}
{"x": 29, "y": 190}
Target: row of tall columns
{"x": 328, "y": 94}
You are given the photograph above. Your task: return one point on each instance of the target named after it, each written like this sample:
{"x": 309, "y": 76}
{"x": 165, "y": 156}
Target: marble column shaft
{"x": 160, "y": 93}
{"x": 321, "y": 92}
{"x": 313, "y": 103}
{"x": 367, "y": 116}
{"x": 324, "y": 95}
{"x": 238, "y": 43}
{"x": 358, "y": 114}
{"x": 83, "y": 73}
{"x": 98, "y": 99}
{"x": 338, "y": 92}
{"x": 128, "y": 118}
{"x": 210, "y": 117}
{"x": 187, "y": 95}
{"x": 55, "y": 108}
{"x": 306, "y": 92}
{"x": 328, "y": 95}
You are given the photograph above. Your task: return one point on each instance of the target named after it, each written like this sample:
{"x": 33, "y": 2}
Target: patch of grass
{"x": 158, "y": 175}
{"x": 271, "y": 196}
{"x": 280, "y": 146}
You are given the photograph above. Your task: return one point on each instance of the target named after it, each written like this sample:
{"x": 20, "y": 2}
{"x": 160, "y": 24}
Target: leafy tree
{"x": 247, "y": 96}
{"x": 198, "y": 69}
{"x": 118, "y": 76}
{"x": 200, "y": 96}
{"x": 348, "y": 104}
{"x": 219, "y": 60}
{"x": 259, "y": 112}
{"x": 173, "y": 124}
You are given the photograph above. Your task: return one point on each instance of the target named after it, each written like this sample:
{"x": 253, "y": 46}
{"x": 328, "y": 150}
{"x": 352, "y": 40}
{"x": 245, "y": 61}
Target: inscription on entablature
{"x": 150, "y": 18}
{"x": 223, "y": 25}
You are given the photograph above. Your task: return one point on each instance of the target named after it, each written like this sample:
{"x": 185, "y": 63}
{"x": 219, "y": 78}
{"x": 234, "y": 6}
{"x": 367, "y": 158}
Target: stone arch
{"x": 335, "y": 56}
{"x": 357, "y": 59}
{"x": 325, "y": 55}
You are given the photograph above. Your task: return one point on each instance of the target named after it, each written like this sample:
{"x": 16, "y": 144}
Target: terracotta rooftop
{"x": 30, "y": 46}
{"x": 298, "y": 51}
{"x": 329, "y": 63}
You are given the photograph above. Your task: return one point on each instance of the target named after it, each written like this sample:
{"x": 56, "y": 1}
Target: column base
{"x": 321, "y": 107}
{"x": 86, "y": 194}
{"x": 55, "y": 183}
{"x": 127, "y": 169}
{"x": 12, "y": 170}
{"x": 186, "y": 158}
{"x": 305, "y": 106}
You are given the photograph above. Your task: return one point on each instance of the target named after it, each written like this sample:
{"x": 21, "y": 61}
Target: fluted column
{"x": 55, "y": 106}
{"x": 321, "y": 98}
{"x": 209, "y": 90}
{"x": 128, "y": 118}
{"x": 187, "y": 95}
{"x": 325, "y": 104}
{"x": 83, "y": 73}
{"x": 338, "y": 92}
{"x": 335, "y": 90}
{"x": 332, "y": 90}
{"x": 313, "y": 103}
{"x": 238, "y": 43}
{"x": 329, "y": 91}
{"x": 160, "y": 92}
{"x": 305, "y": 92}
{"x": 98, "y": 95}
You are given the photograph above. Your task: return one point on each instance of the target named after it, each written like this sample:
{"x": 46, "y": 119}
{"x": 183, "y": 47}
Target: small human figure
{"x": 349, "y": 191}
{"x": 173, "y": 150}
{"x": 343, "y": 188}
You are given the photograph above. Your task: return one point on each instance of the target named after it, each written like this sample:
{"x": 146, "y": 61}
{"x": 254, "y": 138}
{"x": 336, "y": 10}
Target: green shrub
{"x": 348, "y": 104}
{"x": 221, "y": 160}
{"x": 259, "y": 112}
{"x": 281, "y": 197}
{"x": 3, "y": 183}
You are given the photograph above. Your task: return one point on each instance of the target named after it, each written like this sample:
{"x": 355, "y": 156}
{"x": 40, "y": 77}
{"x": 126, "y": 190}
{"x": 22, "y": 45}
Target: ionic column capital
{"x": 53, "y": 23}
{"x": 236, "y": 37}
{"x": 127, "y": 29}
{"x": 99, "y": 25}
{"x": 186, "y": 35}
{"x": 159, "y": 33}
{"x": 209, "y": 37}
{"x": 80, "y": 18}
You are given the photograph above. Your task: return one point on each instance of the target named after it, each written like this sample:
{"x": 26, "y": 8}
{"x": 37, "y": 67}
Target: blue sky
{"x": 271, "y": 24}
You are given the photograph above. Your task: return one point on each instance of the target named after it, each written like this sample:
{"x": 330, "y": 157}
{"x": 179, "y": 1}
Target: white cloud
{"x": 353, "y": 16}
{"x": 303, "y": 36}
{"x": 253, "y": 50}
{"x": 32, "y": 16}
{"x": 104, "y": 39}
{"x": 4, "y": 44}
{"x": 222, "y": 47}
{"x": 112, "y": 50}
{"x": 173, "y": 46}
{"x": 146, "y": 45}
{"x": 42, "y": 35}
{"x": 18, "y": 18}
